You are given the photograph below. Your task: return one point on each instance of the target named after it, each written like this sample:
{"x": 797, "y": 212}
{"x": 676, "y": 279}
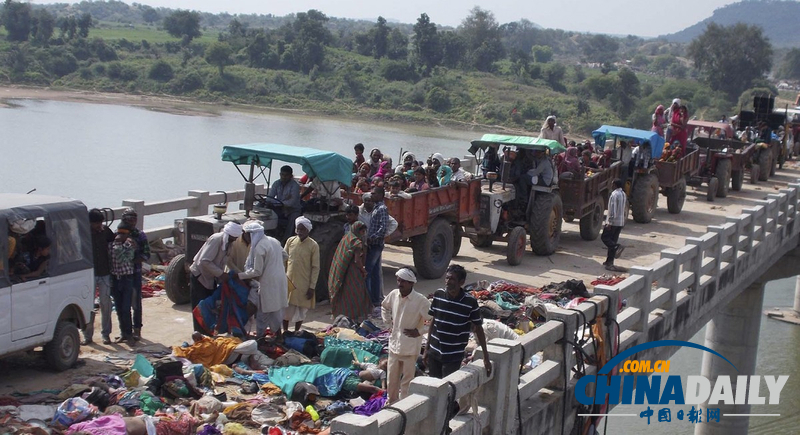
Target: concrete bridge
{"x": 718, "y": 278}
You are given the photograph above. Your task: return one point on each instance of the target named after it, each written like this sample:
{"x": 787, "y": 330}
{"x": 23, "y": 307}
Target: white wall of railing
{"x": 669, "y": 299}
{"x": 196, "y": 203}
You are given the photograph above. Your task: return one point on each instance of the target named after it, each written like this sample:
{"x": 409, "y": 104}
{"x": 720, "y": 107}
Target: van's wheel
{"x": 764, "y": 159}
{"x": 327, "y": 236}
{"x": 176, "y": 281}
{"x": 481, "y": 240}
{"x": 723, "y": 174}
{"x": 434, "y": 249}
{"x": 62, "y": 351}
{"x": 544, "y": 223}
{"x": 737, "y": 179}
{"x": 713, "y": 185}
{"x": 517, "y": 240}
{"x": 592, "y": 223}
{"x": 676, "y": 197}
{"x": 644, "y": 199}
{"x": 458, "y": 234}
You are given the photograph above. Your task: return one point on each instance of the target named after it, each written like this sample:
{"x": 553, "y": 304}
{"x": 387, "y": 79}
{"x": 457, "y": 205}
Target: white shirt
{"x": 401, "y": 313}
{"x": 493, "y": 329}
{"x": 555, "y": 134}
{"x": 616, "y": 208}
{"x": 461, "y": 175}
{"x": 268, "y": 258}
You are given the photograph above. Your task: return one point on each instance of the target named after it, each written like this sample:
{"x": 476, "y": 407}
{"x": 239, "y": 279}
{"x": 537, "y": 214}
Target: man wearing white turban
{"x": 551, "y": 131}
{"x": 209, "y": 263}
{"x": 302, "y": 271}
{"x": 265, "y": 265}
{"x": 406, "y": 311}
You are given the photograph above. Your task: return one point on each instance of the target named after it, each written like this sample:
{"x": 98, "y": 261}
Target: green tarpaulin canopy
{"x": 525, "y": 142}
{"x": 325, "y": 165}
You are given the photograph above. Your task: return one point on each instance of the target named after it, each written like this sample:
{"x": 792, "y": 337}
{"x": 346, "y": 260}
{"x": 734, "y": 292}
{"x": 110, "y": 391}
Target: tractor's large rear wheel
{"x": 737, "y": 180}
{"x": 544, "y": 223}
{"x": 676, "y": 197}
{"x": 592, "y": 223}
{"x": 644, "y": 199}
{"x": 517, "y": 241}
{"x": 434, "y": 249}
{"x": 723, "y": 174}
{"x": 176, "y": 280}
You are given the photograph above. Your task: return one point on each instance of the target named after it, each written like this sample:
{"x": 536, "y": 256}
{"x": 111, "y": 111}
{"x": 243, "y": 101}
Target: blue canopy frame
{"x": 323, "y": 165}
{"x": 631, "y": 135}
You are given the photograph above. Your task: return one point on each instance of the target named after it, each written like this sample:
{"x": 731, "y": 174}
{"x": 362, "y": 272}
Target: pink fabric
{"x": 105, "y": 425}
{"x": 571, "y": 162}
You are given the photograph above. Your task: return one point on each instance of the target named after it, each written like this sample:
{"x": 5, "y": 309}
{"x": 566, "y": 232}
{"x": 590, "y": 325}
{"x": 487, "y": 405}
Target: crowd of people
{"x": 410, "y": 176}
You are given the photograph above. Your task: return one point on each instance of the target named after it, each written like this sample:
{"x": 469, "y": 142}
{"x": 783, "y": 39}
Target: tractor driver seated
{"x": 286, "y": 190}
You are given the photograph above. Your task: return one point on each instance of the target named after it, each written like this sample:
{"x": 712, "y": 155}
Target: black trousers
{"x": 197, "y": 292}
{"x": 439, "y": 369}
{"x": 610, "y": 238}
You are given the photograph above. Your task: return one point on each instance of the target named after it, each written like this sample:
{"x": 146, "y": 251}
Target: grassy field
{"x": 113, "y": 31}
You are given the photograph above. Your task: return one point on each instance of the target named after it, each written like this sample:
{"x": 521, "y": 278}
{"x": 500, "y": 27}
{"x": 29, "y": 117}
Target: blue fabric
{"x": 286, "y": 377}
{"x": 607, "y": 132}
{"x": 232, "y": 315}
{"x": 330, "y": 384}
{"x": 325, "y": 165}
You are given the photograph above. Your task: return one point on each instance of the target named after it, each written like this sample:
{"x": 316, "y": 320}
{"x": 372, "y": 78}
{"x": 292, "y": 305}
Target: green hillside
{"x": 778, "y": 18}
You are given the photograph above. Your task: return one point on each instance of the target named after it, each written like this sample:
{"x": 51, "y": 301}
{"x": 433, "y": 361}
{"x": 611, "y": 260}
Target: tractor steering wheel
{"x": 268, "y": 201}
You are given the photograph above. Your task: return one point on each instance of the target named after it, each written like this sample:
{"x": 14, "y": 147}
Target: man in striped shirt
{"x": 613, "y": 226}
{"x": 455, "y": 314}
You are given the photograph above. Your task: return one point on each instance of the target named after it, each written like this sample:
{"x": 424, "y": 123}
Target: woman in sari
{"x": 347, "y": 280}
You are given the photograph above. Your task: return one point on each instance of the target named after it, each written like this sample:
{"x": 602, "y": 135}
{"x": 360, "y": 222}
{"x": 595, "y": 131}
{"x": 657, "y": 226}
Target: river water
{"x": 102, "y": 154}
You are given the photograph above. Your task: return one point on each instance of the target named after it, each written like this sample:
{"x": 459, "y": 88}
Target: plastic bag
{"x": 72, "y": 411}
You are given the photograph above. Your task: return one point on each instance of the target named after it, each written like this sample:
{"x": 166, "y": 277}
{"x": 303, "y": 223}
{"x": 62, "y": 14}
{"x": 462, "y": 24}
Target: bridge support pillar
{"x": 734, "y": 334}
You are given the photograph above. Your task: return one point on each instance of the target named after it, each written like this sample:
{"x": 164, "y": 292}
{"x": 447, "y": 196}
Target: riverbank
{"x": 195, "y": 107}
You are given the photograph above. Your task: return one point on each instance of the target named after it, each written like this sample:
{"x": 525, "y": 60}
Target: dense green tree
{"x": 454, "y": 48}
{"x": 481, "y": 35}
{"x": 308, "y": 36}
{"x": 149, "y": 14}
{"x": 398, "y": 45}
{"x": 553, "y": 74}
{"x": 183, "y": 24}
{"x": 43, "y": 25}
{"x": 542, "y": 53}
{"x": 259, "y": 53}
{"x": 731, "y": 58}
{"x": 161, "y": 71}
{"x": 219, "y": 54}
{"x": 427, "y": 52}
{"x": 381, "y": 38}
{"x": 85, "y": 22}
{"x": 68, "y": 26}
{"x": 626, "y": 91}
{"x": 17, "y": 20}
{"x": 600, "y": 49}
{"x": 790, "y": 67}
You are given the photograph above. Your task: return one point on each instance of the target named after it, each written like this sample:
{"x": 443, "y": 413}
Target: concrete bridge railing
{"x": 196, "y": 203}
{"x": 670, "y": 299}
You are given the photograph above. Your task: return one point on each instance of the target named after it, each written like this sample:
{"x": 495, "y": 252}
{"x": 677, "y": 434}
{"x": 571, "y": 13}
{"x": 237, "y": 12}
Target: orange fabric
{"x": 208, "y": 351}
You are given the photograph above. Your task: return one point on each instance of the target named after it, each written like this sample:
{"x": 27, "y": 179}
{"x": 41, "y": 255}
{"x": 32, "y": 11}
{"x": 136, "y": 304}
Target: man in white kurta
{"x": 265, "y": 264}
{"x": 406, "y": 311}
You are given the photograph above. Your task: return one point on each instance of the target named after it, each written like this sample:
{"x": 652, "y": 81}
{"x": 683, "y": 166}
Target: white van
{"x": 47, "y": 310}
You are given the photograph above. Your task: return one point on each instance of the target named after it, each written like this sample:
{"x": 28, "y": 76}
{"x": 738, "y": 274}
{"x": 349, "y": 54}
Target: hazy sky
{"x": 637, "y": 17}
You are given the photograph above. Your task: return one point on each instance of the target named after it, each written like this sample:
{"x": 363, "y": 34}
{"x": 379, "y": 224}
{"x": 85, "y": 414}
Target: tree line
{"x": 412, "y": 67}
